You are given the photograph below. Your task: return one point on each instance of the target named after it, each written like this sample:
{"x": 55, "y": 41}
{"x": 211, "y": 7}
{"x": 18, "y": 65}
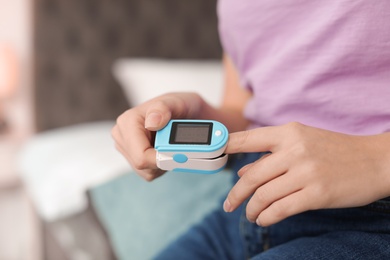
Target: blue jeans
{"x": 351, "y": 233}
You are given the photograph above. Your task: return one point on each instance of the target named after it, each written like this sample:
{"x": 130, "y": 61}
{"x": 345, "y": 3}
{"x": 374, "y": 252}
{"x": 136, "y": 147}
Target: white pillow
{"x": 59, "y": 165}
{"x": 143, "y": 79}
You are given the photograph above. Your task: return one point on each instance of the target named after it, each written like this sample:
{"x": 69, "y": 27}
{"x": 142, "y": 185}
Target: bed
{"x": 93, "y": 60}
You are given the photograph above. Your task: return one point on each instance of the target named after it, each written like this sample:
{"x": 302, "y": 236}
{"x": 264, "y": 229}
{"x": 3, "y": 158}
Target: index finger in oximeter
{"x": 192, "y": 146}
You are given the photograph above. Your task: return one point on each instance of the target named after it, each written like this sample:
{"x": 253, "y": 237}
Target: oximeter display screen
{"x": 191, "y": 133}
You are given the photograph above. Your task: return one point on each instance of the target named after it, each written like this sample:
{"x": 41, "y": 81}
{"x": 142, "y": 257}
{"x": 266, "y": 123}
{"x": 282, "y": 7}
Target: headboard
{"x": 77, "y": 41}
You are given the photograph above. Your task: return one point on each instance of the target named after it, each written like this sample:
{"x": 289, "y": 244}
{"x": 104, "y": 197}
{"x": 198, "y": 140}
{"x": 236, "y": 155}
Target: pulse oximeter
{"x": 195, "y": 146}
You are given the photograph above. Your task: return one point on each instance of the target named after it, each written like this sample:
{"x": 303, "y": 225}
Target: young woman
{"x": 307, "y": 82}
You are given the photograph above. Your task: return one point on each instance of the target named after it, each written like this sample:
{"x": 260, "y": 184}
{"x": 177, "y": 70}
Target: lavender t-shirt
{"x": 324, "y": 63}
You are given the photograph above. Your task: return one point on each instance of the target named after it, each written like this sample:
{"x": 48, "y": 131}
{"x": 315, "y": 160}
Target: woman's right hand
{"x": 134, "y": 129}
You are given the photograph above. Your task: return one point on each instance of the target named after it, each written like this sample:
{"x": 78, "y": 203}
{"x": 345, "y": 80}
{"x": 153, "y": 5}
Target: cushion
{"x": 58, "y": 166}
{"x": 142, "y": 218}
{"x": 143, "y": 79}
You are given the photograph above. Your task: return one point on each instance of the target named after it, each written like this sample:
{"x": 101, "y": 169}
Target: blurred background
{"x": 68, "y": 68}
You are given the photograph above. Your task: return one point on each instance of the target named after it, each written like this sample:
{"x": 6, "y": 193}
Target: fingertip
{"x": 227, "y": 206}
{"x": 157, "y": 119}
{"x": 244, "y": 169}
{"x": 258, "y": 222}
{"x": 153, "y": 120}
{"x": 151, "y": 175}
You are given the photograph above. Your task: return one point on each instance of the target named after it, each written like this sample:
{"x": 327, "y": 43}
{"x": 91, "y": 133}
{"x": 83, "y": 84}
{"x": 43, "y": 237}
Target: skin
{"x": 308, "y": 168}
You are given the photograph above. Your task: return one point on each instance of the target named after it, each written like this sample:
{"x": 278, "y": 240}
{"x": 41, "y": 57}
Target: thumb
{"x": 256, "y": 140}
{"x": 177, "y": 105}
{"x": 156, "y": 120}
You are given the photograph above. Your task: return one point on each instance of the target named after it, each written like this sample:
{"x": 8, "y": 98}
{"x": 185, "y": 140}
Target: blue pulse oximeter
{"x": 195, "y": 146}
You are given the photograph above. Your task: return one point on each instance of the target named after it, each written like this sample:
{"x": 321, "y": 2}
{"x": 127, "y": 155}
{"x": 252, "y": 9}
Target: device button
{"x": 180, "y": 158}
{"x": 218, "y": 133}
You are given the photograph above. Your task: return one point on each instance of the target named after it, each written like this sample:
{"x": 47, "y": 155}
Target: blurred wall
{"x": 77, "y": 41}
{"x": 16, "y": 32}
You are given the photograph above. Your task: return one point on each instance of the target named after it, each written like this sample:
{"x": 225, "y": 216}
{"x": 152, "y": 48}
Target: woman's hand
{"x": 134, "y": 131}
{"x": 307, "y": 169}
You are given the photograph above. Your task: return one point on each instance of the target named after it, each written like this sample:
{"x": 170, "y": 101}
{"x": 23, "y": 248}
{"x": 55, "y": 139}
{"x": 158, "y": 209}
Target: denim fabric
{"x": 352, "y": 233}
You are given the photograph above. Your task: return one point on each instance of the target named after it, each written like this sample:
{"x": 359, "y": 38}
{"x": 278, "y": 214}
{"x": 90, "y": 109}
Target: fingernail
{"x": 153, "y": 120}
{"x": 243, "y": 170}
{"x": 250, "y": 220}
{"x": 258, "y": 222}
{"x": 226, "y": 206}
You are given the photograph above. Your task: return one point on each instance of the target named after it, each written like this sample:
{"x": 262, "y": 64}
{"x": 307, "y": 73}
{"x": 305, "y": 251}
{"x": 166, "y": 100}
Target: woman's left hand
{"x": 308, "y": 168}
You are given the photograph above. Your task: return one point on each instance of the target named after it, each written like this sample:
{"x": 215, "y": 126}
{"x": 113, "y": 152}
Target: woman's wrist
{"x": 378, "y": 150}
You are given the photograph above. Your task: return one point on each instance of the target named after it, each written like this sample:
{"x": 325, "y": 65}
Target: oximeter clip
{"x": 195, "y": 146}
